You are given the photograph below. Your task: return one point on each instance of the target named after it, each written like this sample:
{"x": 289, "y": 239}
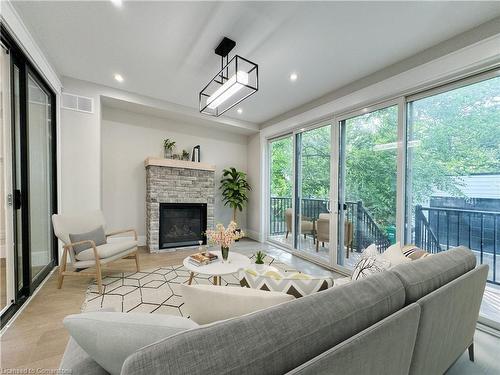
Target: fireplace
{"x": 182, "y": 224}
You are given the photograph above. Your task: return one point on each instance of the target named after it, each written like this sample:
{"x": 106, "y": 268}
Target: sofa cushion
{"x": 110, "y": 337}
{"x": 107, "y": 250}
{"x": 76, "y": 361}
{"x": 277, "y": 339}
{"x": 422, "y": 276}
{"x": 209, "y": 303}
{"x": 97, "y": 235}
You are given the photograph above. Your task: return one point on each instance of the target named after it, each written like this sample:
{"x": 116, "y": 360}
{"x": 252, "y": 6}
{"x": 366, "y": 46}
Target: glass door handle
{"x": 17, "y": 199}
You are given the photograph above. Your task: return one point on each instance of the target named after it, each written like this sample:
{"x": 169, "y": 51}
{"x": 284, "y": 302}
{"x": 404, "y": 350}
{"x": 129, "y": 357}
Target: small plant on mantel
{"x": 168, "y": 147}
{"x": 185, "y": 155}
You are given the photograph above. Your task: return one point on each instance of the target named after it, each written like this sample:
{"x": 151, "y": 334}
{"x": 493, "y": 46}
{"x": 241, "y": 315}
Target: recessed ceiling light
{"x": 293, "y": 77}
{"x": 118, "y": 77}
{"x": 240, "y": 111}
{"x": 117, "y": 3}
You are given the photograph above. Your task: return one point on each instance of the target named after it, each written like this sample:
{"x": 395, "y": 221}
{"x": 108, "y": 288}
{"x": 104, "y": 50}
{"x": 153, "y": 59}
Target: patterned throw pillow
{"x": 413, "y": 252}
{"x": 296, "y": 284}
{"x": 368, "y": 266}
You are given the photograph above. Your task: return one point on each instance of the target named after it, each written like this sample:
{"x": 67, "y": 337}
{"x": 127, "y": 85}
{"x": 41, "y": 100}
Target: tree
{"x": 234, "y": 187}
{"x": 453, "y": 134}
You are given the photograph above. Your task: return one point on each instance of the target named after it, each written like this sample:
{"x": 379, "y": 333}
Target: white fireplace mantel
{"x": 176, "y": 163}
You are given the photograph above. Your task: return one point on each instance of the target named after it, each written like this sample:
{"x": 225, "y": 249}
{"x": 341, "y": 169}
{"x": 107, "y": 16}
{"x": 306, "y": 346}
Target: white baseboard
{"x": 254, "y": 235}
{"x": 140, "y": 239}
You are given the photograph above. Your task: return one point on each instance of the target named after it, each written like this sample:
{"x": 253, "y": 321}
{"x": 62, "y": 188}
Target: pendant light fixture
{"x": 237, "y": 79}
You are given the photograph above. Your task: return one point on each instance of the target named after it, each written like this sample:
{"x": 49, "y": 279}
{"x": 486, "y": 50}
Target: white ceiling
{"x": 165, "y": 49}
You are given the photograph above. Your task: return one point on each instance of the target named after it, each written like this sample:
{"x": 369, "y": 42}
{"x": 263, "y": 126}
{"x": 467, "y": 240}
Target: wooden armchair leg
{"x": 471, "y": 352}
{"x": 317, "y": 246}
{"x": 137, "y": 261}
{"x": 62, "y": 269}
{"x": 98, "y": 276}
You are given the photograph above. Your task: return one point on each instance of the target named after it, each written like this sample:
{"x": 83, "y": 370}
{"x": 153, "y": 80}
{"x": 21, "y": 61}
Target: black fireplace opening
{"x": 182, "y": 224}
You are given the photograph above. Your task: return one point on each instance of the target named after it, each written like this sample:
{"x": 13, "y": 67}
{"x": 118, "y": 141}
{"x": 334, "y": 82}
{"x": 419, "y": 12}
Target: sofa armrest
{"x": 209, "y": 303}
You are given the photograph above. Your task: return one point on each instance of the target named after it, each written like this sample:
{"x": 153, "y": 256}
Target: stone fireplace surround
{"x": 176, "y": 181}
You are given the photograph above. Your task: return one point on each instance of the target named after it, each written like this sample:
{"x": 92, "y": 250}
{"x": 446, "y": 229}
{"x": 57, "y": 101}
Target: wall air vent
{"x": 77, "y": 103}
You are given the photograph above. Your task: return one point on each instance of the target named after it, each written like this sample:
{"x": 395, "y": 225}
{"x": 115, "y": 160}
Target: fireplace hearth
{"x": 182, "y": 224}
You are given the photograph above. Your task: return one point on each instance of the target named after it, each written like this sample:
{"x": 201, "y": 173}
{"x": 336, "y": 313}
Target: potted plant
{"x": 259, "y": 261}
{"x": 234, "y": 188}
{"x": 185, "y": 155}
{"x": 224, "y": 237}
{"x": 168, "y": 147}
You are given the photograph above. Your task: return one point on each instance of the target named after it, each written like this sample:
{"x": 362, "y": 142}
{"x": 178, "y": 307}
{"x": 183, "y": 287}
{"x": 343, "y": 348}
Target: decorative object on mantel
{"x": 237, "y": 79}
{"x": 224, "y": 237}
{"x": 185, "y": 155}
{"x": 168, "y": 148}
{"x": 234, "y": 188}
{"x": 196, "y": 154}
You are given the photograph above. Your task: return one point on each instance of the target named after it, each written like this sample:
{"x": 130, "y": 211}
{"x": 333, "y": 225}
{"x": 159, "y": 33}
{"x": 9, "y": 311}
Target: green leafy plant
{"x": 259, "y": 257}
{"x": 168, "y": 144}
{"x": 185, "y": 155}
{"x": 234, "y": 188}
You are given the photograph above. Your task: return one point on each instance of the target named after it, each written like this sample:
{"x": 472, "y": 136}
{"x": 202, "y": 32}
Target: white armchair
{"x": 95, "y": 255}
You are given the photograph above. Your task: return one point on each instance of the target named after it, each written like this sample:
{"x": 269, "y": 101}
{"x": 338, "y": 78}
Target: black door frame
{"x": 21, "y": 61}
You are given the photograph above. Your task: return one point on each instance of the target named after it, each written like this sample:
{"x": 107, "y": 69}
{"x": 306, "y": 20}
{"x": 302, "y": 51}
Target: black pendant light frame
{"x": 223, "y": 49}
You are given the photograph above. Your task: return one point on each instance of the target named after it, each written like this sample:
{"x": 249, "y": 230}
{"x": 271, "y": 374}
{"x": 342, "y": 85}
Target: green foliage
{"x": 456, "y": 133}
{"x": 259, "y": 257}
{"x": 234, "y": 188}
{"x": 168, "y": 144}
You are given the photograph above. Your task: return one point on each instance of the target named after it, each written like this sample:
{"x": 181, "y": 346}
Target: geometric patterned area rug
{"x": 155, "y": 290}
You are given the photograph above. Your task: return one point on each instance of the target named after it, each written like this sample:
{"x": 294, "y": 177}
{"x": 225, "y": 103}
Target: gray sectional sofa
{"x": 416, "y": 318}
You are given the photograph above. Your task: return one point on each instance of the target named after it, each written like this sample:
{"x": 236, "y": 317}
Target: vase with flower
{"x": 223, "y": 237}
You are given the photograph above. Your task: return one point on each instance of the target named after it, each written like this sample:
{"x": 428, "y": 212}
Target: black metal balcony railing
{"x": 365, "y": 229}
{"x": 438, "y": 229}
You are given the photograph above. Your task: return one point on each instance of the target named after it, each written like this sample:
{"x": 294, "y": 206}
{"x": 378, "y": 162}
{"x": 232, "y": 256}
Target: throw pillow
{"x": 413, "y": 252}
{"x": 370, "y": 251}
{"x": 394, "y": 255}
{"x": 368, "y": 266}
{"x": 209, "y": 303}
{"x": 97, "y": 235}
{"x": 296, "y": 284}
{"x": 110, "y": 337}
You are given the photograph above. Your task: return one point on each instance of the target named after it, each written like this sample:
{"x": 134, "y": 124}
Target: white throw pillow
{"x": 368, "y": 266}
{"x": 395, "y": 255}
{"x": 110, "y": 337}
{"x": 209, "y": 303}
{"x": 370, "y": 251}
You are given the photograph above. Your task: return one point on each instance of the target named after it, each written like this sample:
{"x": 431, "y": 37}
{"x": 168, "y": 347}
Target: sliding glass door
{"x": 30, "y": 181}
{"x": 280, "y": 188}
{"x": 312, "y": 192}
{"x": 453, "y": 176}
{"x": 367, "y": 183}
{"x": 40, "y": 151}
{"x": 299, "y": 191}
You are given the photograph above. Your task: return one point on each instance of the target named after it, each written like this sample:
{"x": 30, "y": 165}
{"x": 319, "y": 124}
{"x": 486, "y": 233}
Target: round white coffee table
{"x": 219, "y": 268}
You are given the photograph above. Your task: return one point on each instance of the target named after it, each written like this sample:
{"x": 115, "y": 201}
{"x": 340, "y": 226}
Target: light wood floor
{"x": 37, "y": 338}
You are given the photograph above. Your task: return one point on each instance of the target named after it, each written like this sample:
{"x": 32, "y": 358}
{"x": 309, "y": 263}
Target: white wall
{"x": 254, "y": 222}
{"x": 80, "y": 144}
{"x": 128, "y": 138}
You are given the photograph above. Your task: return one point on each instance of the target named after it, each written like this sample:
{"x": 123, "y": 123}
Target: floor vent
{"x": 77, "y": 103}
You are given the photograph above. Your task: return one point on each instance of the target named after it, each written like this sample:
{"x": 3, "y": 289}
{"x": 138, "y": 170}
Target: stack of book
{"x": 201, "y": 259}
